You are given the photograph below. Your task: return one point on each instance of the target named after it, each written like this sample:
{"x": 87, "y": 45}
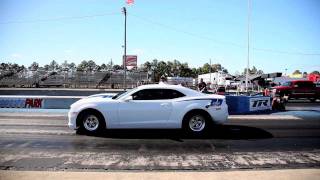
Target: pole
{"x": 286, "y": 72}
{"x": 210, "y": 71}
{"x": 125, "y": 48}
{"x": 248, "y": 55}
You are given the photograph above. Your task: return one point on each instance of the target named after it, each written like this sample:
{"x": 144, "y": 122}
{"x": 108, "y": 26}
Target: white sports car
{"x": 149, "y": 106}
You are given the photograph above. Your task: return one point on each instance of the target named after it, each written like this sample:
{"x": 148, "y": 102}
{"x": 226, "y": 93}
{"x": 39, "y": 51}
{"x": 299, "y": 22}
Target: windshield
{"x": 121, "y": 94}
{"x": 286, "y": 84}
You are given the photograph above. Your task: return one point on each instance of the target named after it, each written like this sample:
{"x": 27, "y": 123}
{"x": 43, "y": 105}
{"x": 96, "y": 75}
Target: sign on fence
{"x": 131, "y": 60}
{"x": 21, "y": 103}
{"x": 260, "y": 103}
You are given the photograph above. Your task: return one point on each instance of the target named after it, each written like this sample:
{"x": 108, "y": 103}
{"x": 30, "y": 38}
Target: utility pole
{"x": 124, "y": 10}
{"x": 210, "y": 71}
{"x": 248, "y": 55}
{"x": 286, "y": 72}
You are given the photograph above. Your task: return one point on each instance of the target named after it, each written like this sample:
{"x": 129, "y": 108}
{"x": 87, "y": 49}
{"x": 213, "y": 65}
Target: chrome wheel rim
{"x": 91, "y": 123}
{"x": 197, "y": 123}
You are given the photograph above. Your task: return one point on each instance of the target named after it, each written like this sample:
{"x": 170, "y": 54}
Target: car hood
{"x": 103, "y": 95}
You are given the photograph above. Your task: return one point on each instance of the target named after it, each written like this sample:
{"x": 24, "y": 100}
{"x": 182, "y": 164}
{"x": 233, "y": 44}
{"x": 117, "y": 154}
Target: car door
{"x": 304, "y": 90}
{"x": 147, "y": 109}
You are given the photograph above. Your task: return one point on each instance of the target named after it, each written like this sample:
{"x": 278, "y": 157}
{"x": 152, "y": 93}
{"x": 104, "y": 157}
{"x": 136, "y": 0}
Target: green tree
{"x": 175, "y": 67}
{"x": 83, "y": 66}
{"x": 53, "y": 66}
{"x": 46, "y": 67}
{"x": 216, "y": 67}
{"x": 260, "y": 72}
{"x": 206, "y": 68}
{"x": 72, "y": 66}
{"x": 296, "y": 72}
{"x": 254, "y": 70}
{"x": 147, "y": 66}
{"x": 104, "y": 66}
{"x": 65, "y": 66}
{"x": 162, "y": 69}
{"x": 34, "y": 66}
{"x": 116, "y": 67}
{"x": 185, "y": 71}
{"x": 91, "y": 66}
{"x": 315, "y": 72}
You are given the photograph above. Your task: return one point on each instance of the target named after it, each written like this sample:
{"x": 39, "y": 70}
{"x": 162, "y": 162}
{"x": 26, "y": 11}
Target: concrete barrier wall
{"x": 236, "y": 104}
{"x": 38, "y": 102}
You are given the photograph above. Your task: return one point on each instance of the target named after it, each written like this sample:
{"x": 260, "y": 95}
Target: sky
{"x": 284, "y": 34}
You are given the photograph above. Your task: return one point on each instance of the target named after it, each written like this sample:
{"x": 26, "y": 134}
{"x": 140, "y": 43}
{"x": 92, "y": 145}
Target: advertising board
{"x": 21, "y": 103}
{"x": 260, "y": 103}
{"x": 131, "y": 60}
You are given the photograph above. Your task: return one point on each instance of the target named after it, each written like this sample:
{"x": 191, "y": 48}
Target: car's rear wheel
{"x": 196, "y": 123}
{"x": 92, "y": 122}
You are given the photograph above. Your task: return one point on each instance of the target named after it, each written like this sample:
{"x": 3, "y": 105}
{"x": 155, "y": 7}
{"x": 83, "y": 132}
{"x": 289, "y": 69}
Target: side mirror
{"x": 127, "y": 99}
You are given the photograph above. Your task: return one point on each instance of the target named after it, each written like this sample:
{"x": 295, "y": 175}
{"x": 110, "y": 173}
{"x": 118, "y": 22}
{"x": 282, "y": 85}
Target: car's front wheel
{"x": 196, "y": 123}
{"x": 92, "y": 122}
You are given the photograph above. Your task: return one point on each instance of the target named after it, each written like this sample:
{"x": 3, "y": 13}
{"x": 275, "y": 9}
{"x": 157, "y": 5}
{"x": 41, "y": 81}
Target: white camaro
{"x": 149, "y": 106}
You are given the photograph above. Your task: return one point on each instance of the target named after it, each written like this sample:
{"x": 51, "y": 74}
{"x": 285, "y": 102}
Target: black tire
{"x": 196, "y": 123}
{"x": 91, "y": 123}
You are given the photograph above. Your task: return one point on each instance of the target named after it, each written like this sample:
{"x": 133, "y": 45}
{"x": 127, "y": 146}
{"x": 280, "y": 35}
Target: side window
{"x": 287, "y": 84}
{"x": 171, "y": 94}
{"x": 302, "y": 84}
{"x": 156, "y": 94}
{"x": 142, "y": 95}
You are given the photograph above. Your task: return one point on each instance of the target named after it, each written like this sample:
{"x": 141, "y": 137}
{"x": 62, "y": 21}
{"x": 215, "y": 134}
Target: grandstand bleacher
{"x": 104, "y": 80}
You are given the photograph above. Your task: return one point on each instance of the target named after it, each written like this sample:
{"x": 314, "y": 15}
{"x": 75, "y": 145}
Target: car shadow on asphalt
{"x": 232, "y": 132}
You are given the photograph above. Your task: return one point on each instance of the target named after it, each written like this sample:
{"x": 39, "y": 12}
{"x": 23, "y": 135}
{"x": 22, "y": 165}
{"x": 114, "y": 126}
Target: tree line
{"x": 169, "y": 68}
{"x": 155, "y": 67}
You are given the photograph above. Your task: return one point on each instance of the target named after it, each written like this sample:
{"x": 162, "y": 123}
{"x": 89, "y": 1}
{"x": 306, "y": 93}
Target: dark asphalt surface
{"x": 41, "y": 141}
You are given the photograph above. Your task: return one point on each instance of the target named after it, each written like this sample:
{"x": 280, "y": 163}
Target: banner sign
{"x": 131, "y": 60}
{"x": 260, "y": 103}
{"x": 21, "y": 103}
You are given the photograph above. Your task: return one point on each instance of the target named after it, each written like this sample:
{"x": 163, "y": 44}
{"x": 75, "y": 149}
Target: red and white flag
{"x": 129, "y": 1}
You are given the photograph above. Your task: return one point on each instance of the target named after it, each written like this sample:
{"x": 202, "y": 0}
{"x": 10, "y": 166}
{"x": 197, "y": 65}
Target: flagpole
{"x": 125, "y": 48}
{"x": 248, "y": 55}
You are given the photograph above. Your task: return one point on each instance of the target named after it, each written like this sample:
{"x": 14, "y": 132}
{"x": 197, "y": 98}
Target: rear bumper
{"x": 72, "y": 120}
{"x": 219, "y": 114}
